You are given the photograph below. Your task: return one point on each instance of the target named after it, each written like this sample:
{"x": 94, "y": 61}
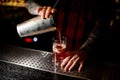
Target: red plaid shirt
{"x": 73, "y": 16}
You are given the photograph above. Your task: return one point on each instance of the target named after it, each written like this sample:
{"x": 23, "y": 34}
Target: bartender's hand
{"x": 75, "y": 59}
{"x": 46, "y": 11}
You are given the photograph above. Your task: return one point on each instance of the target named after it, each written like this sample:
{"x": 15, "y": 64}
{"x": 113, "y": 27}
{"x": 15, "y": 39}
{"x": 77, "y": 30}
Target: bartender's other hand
{"x": 75, "y": 59}
{"x": 46, "y": 11}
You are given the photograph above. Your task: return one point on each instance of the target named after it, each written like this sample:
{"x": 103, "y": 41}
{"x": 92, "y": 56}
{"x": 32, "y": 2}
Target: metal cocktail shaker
{"x": 35, "y": 26}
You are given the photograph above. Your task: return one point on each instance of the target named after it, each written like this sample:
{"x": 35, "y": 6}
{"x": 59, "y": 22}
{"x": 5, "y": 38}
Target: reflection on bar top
{"x": 42, "y": 60}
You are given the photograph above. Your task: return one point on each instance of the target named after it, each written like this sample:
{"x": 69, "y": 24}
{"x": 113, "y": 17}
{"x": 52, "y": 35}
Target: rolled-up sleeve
{"x": 34, "y": 5}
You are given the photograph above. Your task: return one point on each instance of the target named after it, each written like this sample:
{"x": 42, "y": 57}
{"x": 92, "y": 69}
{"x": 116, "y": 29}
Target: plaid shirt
{"x": 73, "y": 16}
{"x": 77, "y": 18}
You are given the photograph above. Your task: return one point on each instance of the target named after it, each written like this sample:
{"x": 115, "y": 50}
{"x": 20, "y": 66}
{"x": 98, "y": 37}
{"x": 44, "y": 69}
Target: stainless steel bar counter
{"x": 19, "y": 63}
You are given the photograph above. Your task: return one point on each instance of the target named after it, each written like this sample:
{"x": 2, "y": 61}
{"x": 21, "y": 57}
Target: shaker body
{"x": 35, "y": 26}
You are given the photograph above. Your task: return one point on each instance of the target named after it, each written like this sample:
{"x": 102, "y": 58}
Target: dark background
{"x": 10, "y": 16}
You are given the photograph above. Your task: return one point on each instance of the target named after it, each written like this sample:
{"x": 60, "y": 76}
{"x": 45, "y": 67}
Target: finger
{"x": 64, "y": 62}
{"x": 39, "y": 10}
{"x": 43, "y": 12}
{"x": 74, "y": 63}
{"x": 70, "y": 62}
{"x": 53, "y": 10}
{"x": 48, "y": 12}
{"x": 80, "y": 67}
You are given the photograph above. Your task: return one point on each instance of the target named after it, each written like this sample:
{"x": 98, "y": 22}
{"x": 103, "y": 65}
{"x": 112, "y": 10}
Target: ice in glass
{"x": 59, "y": 49}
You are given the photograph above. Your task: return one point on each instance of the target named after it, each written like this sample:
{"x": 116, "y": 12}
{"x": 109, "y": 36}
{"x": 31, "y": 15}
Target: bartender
{"x": 82, "y": 22}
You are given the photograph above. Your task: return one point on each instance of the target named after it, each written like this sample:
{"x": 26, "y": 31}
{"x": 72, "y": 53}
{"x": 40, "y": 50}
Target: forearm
{"x": 98, "y": 32}
{"x": 32, "y": 7}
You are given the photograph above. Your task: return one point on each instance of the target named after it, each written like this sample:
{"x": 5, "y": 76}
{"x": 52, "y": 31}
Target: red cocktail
{"x": 59, "y": 50}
